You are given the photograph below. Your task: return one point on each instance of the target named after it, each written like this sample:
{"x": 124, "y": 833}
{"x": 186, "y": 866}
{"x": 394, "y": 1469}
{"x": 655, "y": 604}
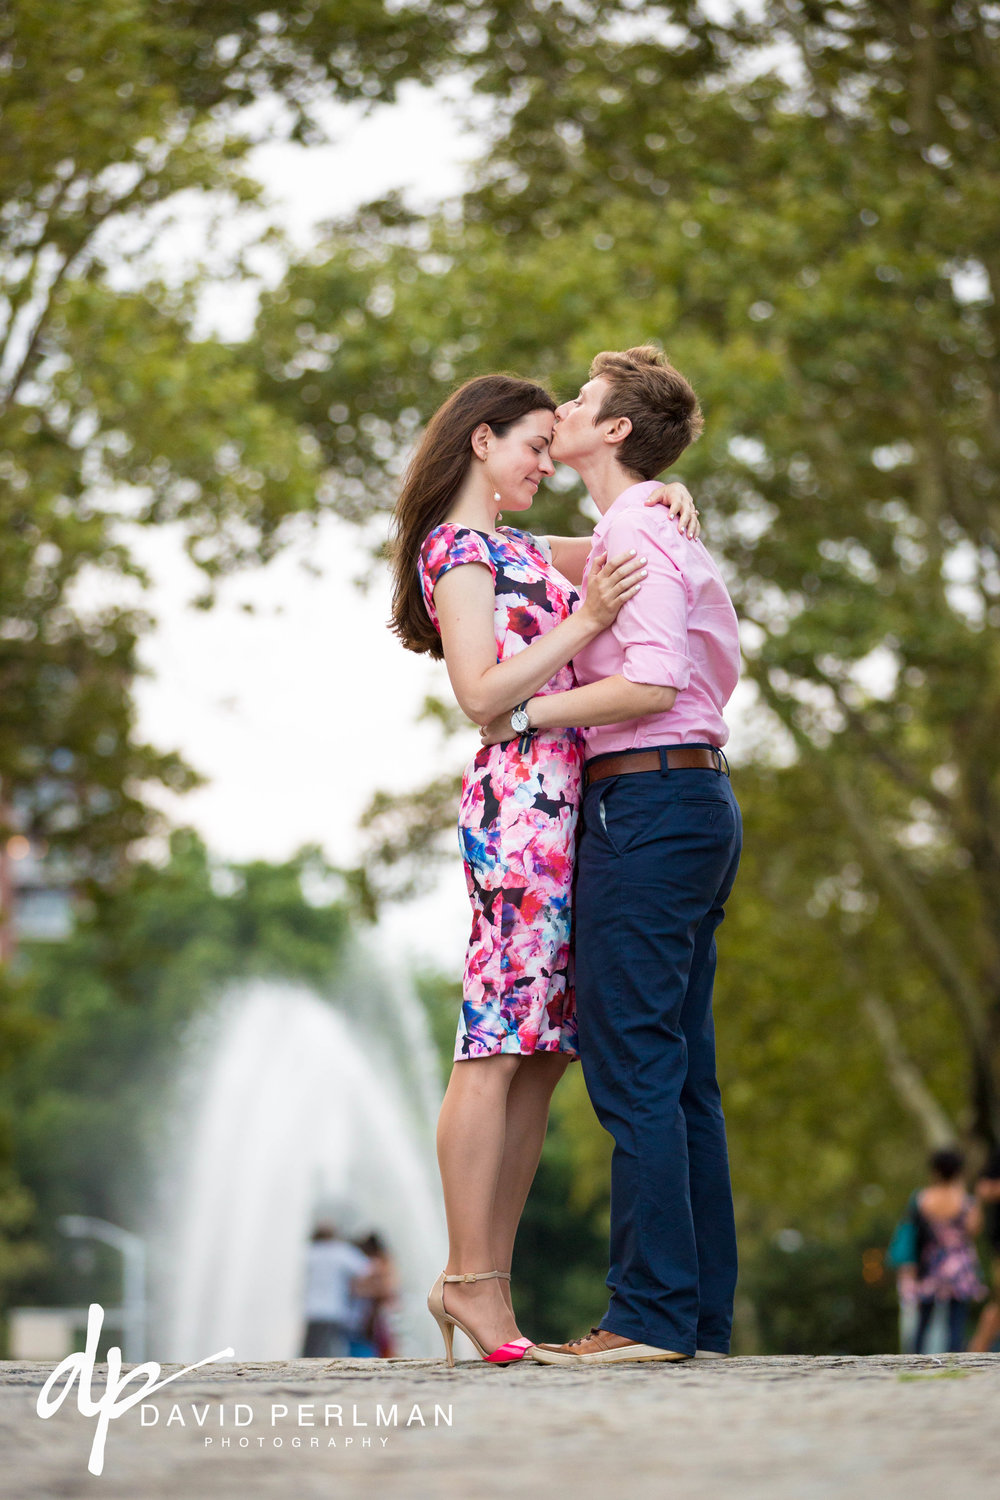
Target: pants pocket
{"x": 602, "y": 814}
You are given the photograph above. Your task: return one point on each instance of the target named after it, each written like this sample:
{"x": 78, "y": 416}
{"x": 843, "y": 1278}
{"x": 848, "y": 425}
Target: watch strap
{"x": 526, "y": 735}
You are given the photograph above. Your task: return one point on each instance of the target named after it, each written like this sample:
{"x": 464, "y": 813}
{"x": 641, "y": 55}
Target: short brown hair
{"x": 658, "y": 401}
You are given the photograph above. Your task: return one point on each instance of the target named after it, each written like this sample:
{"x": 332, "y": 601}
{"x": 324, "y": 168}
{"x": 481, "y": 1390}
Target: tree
{"x": 812, "y": 231}
{"x": 817, "y": 246}
{"x": 112, "y": 410}
{"x": 115, "y": 410}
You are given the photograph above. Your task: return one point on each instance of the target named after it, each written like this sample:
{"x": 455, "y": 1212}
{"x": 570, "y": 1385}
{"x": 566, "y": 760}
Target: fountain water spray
{"x": 295, "y": 1112}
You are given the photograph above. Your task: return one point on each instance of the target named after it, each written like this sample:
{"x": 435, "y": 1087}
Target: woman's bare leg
{"x": 471, "y": 1145}
{"x": 528, "y": 1101}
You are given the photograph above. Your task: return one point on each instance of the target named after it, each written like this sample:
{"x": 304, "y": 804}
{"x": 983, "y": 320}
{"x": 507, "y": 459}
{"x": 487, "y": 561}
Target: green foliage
{"x": 815, "y": 1300}
{"x": 403, "y": 837}
{"x": 110, "y": 1006}
{"x": 561, "y": 1253}
{"x": 817, "y": 248}
{"x": 441, "y": 998}
{"x": 819, "y": 1144}
{"x": 117, "y": 413}
{"x": 819, "y": 255}
{"x": 114, "y": 410}
{"x": 814, "y": 1126}
{"x": 20, "y": 1028}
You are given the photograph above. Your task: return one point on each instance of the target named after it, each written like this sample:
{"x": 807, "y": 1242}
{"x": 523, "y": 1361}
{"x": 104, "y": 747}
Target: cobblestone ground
{"x": 883, "y": 1428}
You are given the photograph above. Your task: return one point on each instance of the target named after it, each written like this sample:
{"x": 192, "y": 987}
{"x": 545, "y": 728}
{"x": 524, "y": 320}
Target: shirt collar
{"x": 634, "y": 495}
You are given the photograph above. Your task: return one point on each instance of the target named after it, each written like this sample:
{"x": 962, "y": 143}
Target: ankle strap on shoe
{"x": 481, "y": 1276}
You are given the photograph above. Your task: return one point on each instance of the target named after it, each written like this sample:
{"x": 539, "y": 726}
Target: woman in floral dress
{"x": 499, "y": 605}
{"x": 947, "y": 1269}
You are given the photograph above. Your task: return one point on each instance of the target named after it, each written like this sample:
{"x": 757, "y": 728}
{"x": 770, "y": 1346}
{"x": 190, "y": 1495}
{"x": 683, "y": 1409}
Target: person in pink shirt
{"x": 499, "y": 605}
{"x": 657, "y": 858}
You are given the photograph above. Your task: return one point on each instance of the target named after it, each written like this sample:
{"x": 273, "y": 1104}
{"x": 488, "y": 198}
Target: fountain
{"x": 293, "y": 1108}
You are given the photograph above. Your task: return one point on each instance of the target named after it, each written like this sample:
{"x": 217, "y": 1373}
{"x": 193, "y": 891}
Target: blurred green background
{"x": 801, "y": 202}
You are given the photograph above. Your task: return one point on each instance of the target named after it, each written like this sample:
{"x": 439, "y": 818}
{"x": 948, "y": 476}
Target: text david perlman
{"x": 244, "y": 1415}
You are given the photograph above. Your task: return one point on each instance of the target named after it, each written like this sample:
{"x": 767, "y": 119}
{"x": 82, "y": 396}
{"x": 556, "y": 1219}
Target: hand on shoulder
{"x": 679, "y": 505}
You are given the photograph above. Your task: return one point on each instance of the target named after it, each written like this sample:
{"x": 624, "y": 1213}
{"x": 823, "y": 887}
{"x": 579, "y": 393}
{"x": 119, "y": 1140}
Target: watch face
{"x": 519, "y": 721}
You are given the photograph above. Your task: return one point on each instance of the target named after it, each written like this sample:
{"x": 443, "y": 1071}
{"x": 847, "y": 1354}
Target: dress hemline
{"x": 569, "y": 1052}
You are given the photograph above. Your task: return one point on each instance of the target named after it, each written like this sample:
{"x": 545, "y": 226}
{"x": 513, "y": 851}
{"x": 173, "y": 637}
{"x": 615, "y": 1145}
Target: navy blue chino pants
{"x": 657, "y": 859}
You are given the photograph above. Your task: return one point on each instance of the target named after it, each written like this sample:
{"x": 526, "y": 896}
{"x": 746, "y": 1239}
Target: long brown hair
{"x": 432, "y": 480}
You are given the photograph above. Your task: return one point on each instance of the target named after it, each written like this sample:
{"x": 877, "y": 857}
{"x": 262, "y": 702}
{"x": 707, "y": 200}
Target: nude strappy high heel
{"x": 506, "y": 1354}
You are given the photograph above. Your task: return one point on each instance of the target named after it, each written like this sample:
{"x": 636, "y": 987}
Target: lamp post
{"x": 133, "y": 1253}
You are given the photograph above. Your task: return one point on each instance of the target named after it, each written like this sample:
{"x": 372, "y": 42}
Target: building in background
{"x": 36, "y": 889}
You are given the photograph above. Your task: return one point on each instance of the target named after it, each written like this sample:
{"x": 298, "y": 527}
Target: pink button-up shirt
{"x": 679, "y": 631}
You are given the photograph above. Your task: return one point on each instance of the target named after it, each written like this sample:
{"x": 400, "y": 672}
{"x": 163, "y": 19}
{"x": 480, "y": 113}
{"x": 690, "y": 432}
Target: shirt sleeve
{"x": 449, "y": 547}
{"x": 652, "y": 629}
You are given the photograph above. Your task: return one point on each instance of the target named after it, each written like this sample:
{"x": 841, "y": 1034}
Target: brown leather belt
{"x": 679, "y": 758}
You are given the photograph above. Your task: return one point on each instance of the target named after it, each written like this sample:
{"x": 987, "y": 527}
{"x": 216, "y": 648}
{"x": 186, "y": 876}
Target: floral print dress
{"x": 517, "y": 819}
{"x": 949, "y": 1268}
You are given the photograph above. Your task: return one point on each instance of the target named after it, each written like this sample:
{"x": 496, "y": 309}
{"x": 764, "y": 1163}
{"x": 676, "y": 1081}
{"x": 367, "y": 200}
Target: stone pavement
{"x": 880, "y": 1428}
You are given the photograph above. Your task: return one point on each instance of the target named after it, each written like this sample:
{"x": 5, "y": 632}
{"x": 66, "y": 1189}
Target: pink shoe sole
{"x": 506, "y": 1354}
{"x": 509, "y": 1354}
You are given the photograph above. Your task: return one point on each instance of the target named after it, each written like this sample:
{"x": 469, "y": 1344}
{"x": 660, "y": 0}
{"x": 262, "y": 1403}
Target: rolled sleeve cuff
{"x": 656, "y": 667}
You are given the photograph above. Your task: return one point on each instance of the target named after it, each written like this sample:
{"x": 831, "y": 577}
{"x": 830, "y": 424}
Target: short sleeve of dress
{"x": 449, "y": 547}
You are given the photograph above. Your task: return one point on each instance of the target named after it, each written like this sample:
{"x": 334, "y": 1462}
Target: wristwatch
{"x": 521, "y": 725}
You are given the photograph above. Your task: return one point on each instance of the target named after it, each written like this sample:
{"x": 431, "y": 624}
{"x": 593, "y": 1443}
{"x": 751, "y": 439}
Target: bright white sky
{"x": 298, "y": 712}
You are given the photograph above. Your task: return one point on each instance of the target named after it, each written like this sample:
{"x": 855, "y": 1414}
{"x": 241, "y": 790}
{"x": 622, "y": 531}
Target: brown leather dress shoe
{"x": 600, "y": 1347}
